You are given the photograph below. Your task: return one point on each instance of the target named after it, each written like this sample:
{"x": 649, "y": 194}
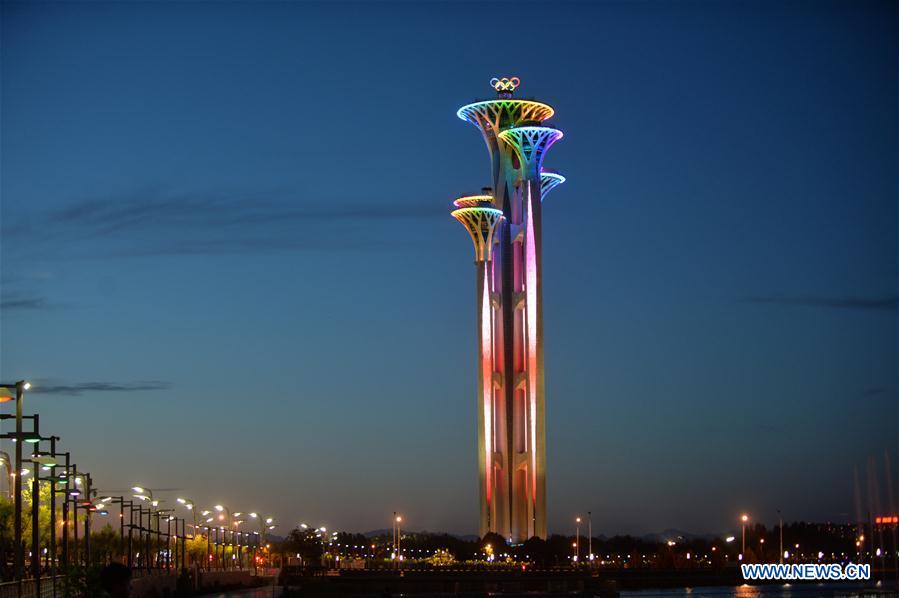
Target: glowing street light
{"x": 190, "y": 506}
{"x": 744, "y": 518}
{"x": 577, "y": 538}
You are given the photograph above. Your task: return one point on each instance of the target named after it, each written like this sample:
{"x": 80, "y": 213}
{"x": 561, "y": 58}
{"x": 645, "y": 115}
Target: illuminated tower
{"x": 505, "y": 225}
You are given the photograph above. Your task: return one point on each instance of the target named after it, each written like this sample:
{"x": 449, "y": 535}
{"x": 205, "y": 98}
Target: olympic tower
{"x": 506, "y": 226}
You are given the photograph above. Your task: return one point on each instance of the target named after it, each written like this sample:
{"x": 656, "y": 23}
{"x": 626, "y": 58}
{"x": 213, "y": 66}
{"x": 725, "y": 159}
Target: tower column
{"x": 481, "y": 220}
{"x": 511, "y": 418}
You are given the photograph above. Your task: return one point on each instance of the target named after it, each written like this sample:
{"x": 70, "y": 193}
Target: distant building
{"x": 505, "y": 223}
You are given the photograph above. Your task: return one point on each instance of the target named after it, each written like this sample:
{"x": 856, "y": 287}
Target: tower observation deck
{"x": 506, "y": 228}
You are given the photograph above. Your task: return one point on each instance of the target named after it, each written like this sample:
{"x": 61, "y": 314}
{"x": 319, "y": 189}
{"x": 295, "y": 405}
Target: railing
{"x": 27, "y": 588}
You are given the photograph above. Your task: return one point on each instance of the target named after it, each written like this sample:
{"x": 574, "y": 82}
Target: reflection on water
{"x": 767, "y": 591}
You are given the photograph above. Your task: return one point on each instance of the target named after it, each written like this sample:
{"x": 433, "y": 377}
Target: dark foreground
{"x": 534, "y": 584}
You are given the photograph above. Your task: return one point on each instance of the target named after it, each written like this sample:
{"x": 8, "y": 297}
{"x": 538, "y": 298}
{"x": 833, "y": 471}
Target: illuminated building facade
{"x": 506, "y": 226}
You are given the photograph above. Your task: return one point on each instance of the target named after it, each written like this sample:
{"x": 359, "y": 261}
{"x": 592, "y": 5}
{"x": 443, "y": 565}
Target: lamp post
{"x": 590, "y": 535}
{"x": 88, "y": 506}
{"x": 19, "y": 387}
{"x": 223, "y": 509}
{"x": 146, "y": 495}
{"x": 398, "y": 519}
{"x": 20, "y": 437}
{"x": 35, "y": 507}
{"x": 75, "y": 493}
{"x": 743, "y": 519}
{"x": 577, "y": 539}
{"x": 34, "y": 438}
{"x": 168, "y": 514}
{"x": 208, "y": 548}
{"x": 781, "y": 522}
{"x": 48, "y": 460}
{"x": 209, "y": 552}
{"x": 265, "y": 523}
{"x": 235, "y": 531}
{"x": 120, "y": 500}
{"x": 190, "y": 505}
{"x": 64, "y": 479}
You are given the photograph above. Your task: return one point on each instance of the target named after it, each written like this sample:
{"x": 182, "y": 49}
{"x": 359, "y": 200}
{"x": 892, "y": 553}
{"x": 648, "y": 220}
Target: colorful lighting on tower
{"x": 506, "y": 228}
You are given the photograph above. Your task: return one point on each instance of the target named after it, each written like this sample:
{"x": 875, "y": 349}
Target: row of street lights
{"x": 224, "y": 523}
{"x": 64, "y": 478}
{"x": 144, "y": 514}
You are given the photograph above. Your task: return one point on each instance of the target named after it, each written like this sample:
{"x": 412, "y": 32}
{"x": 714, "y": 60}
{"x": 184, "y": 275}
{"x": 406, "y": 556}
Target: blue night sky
{"x": 228, "y": 260}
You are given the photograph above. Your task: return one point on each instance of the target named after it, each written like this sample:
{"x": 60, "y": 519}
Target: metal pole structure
{"x": 140, "y": 534}
{"x": 158, "y": 541}
{"x": 17, "y": 515}
{"x": 149, "y": 528}
{"x": 130, "y": 534}
{"x": 184, "y": 543}
{"x": 52, "y": 560}
{"x": 75, "y": 557}
{"x": 65, "y": 514}
{"x": 122, "y": 526}
{"x": 590, "y": 535}
{"x": 577, "y": 539}
{"x": 168, "y": 543}
{"x": 144, "y": 538}
{"x": 175, "y": 549}
{"x": 781, "y": 520}
{"x": 35, "y": 508}
{"x": 87, "y": 521}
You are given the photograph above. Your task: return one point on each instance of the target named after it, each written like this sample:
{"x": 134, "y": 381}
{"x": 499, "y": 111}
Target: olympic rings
{"x": 505, "y": 84}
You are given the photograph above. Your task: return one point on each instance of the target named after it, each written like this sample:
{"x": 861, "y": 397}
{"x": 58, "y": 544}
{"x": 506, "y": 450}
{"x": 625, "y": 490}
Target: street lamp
{"x": 190, "y": 506}
{"x": 744, "y": 518}
{"x": 781, "y": 521}
{"x": 590, "y": 535}
{"x": 265, "y": 524}
{"x": 9, "y": 392}
{"x": 232, "y": 522}
{"x": 397, "y": 537}
{"x": 577, "y": 538}
{"x": 146, "y": 495}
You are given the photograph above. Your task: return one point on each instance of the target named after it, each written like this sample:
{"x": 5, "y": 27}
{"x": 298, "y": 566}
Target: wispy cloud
{"x": 888, "y": 303}
{"x": 154, "y": 223}
{"x": 18, "y": 302}
{"x": 89, "y": 387}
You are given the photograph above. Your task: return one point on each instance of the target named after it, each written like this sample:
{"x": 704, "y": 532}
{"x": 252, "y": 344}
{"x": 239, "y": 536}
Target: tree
{"x": 535, "y": 549}
{"x": 197, "y": 549}
{"x": 306, "y": 544}
{"x": 105, "y": 544}
{"x": 441, "y": 558}
{"x": 494, "y": 546}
